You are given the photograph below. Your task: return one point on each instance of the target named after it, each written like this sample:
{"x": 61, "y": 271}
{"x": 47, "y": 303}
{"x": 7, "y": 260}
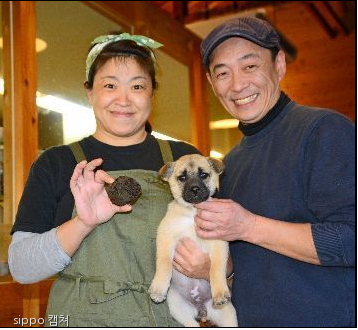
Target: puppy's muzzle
{"x": 195, "y": 191}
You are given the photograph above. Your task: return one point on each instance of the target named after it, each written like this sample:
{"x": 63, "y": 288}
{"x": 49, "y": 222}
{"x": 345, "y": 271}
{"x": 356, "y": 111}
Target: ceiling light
{"x": 40, "y": 44}
{"x": 163, "y": 136}
{"x": 224, "y": 124}
{"x": 58, "y": 104}
{"x": 1, "y": 86}
{"x": 216, "y": 154}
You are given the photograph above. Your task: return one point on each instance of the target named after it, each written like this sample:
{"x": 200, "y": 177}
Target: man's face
{"x": 245, "y": 79}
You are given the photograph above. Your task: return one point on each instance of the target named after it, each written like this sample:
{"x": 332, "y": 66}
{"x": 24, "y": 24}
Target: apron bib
{"x": 106, "y": 284}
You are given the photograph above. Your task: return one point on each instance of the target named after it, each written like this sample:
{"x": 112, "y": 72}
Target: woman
{"x": 105, "y": 254}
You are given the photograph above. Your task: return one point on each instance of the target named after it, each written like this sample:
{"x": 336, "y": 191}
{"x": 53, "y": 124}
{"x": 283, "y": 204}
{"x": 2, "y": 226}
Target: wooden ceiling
{"x": 193, "y": 11}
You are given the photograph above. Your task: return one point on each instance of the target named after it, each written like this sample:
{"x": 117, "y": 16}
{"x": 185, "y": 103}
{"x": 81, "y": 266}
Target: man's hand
{"x": 190, "y": 260}
{"x": 223, "y": 219}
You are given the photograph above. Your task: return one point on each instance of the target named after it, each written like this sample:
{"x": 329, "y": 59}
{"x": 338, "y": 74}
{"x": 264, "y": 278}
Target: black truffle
{"x": 124, "y": 190}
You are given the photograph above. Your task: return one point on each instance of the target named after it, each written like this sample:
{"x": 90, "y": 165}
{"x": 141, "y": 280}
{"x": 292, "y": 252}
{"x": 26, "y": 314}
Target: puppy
{"x": 192, "y": 179}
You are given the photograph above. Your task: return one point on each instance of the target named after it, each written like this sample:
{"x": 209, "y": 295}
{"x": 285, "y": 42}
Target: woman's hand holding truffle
{"x": 92, "y": 203}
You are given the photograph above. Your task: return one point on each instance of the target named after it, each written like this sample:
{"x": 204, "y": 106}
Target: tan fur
{"x": 178, "y": 223}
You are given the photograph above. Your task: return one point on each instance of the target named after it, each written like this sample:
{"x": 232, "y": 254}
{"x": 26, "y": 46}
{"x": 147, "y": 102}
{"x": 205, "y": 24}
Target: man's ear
{"x": 280, "y": 64}
{"x": 208, "y": 76}
{"x": 166, "y": 171}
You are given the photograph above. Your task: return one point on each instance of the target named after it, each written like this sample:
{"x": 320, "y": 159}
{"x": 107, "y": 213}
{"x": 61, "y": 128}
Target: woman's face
{"x": 122, "y": 101}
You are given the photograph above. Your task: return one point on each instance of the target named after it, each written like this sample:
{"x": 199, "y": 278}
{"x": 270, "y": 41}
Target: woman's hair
{"x": 123, "y": 49}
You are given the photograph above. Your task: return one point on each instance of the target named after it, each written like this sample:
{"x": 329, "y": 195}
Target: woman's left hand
{"x": 190, "y": 260}
{"x": 92, "y": 203}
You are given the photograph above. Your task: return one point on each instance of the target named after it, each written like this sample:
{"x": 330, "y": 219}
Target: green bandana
{"x": 103, "y": 41}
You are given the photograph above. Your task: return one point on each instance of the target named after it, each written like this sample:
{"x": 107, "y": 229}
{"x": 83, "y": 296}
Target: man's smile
{"x": 246, "y": 100}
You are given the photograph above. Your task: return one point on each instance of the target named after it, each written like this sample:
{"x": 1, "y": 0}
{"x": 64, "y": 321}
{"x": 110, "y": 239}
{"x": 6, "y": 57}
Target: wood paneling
{"x": 323, "y": 75}
{"x": 12, "y": 297}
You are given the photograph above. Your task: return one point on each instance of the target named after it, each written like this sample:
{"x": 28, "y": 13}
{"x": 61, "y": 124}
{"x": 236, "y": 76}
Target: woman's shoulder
{"x": 56, "y": 154}
{"x": 57, "y": 158}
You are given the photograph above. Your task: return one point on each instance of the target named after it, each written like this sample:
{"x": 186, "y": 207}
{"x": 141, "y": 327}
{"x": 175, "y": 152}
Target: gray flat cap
{"x": 251, "y": 28}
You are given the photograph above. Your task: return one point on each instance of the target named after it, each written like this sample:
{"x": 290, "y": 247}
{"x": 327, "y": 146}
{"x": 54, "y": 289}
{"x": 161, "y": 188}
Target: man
{"x": 288, "y": 194}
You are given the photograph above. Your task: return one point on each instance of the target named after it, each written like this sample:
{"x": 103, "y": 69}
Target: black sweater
{"x": 47, "y": 201}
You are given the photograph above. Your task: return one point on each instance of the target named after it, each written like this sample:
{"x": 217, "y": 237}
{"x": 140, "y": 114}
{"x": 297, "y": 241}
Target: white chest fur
{"x": 179, "y": 223}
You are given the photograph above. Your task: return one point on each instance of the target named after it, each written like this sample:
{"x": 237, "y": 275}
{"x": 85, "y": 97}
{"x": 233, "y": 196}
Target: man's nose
{"x": 239, "y": 82}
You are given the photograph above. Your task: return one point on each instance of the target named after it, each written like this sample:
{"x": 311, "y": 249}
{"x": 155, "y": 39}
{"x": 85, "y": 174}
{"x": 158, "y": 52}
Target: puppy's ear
{"x": 216, "y": 164}
{"x": 166, "y": 171}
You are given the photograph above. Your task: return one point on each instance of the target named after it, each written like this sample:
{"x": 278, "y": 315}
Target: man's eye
{"x": 250, "y": 67}
{"x": 204, "y": 175}
{"x": 110, "y": 86}
{"x": 182, "y": 178}
{"x": 221, "y": 75}
{"x": 138, "y": 87}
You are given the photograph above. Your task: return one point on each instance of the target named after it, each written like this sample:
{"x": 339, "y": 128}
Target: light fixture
{"x": 224, "y": 124}
{"x": 40, "y": 44}
{"x": 216, "y": 154}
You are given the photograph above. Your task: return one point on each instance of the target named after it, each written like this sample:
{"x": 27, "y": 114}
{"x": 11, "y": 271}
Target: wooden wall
{"x": 323, "y": 73}
{"x": 14, "y": 297}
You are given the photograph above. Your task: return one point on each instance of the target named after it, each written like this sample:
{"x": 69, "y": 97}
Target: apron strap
{"x": 77, "y": 151}
{"x": 164, "y": 146}
{"x": 166, "y": 151}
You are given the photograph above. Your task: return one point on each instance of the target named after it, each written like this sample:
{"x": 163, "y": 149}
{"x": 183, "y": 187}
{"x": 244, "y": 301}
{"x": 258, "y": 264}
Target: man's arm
{"x": 228, "y": 220}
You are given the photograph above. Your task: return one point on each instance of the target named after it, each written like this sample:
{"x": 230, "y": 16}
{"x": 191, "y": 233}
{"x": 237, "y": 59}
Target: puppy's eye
{"x": 182, "y": 178}
{"x": 204, "y": 175}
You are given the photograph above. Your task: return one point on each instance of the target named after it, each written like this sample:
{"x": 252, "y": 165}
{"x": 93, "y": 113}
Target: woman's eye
{"x": 109, "y": 86}
{"x": 182, "y": 178}
{"x": 204, "y": 175}
{"x": 138, "y": 87}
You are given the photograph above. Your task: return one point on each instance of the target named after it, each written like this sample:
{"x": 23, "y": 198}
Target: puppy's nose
{"x": 195, "y": 189}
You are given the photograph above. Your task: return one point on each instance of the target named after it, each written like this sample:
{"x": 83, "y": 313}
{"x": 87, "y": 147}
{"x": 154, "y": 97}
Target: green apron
{"x": 107, "y": 281}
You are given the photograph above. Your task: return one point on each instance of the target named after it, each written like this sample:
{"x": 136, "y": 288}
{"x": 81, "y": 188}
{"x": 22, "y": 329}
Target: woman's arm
{"x": 34, "y": 257}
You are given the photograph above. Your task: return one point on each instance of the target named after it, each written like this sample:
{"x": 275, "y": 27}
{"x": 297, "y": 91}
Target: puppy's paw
{"x": 157, "y": 293}
{"x": 221, "y": 298}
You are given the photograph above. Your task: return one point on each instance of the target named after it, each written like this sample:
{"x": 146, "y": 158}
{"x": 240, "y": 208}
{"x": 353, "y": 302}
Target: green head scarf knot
{"x": 102, "y": 41}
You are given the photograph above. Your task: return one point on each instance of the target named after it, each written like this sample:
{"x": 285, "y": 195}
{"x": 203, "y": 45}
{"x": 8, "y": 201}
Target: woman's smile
{"x": 121, "y": 113}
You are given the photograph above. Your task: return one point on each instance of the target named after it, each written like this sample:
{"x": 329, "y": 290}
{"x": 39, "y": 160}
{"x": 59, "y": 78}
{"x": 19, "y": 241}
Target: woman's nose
{"x": 121, "y": 97}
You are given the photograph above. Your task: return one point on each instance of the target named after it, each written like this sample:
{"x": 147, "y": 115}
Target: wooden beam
{"x": 20, "y": 113}
{"x": 336, "y": 17}
{"x": 180, "y": 10}
{"x": 199, "y": 116}
{"x": 321, "y": 19}
{"x": 146, "y": 18}
{"x": 31, "y": 302}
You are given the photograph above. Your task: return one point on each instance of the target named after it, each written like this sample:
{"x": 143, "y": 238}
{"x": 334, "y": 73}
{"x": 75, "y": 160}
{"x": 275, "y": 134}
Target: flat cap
{"x": 254, "y": 29}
